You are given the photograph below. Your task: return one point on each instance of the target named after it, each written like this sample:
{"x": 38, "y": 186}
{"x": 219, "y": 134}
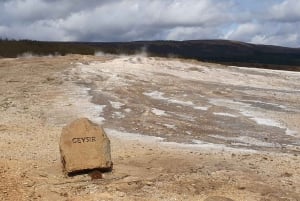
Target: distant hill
{"x": 217, "y": 51}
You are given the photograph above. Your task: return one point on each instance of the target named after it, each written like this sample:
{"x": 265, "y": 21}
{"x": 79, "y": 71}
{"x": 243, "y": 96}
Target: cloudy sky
{"x": 273, "y": 22}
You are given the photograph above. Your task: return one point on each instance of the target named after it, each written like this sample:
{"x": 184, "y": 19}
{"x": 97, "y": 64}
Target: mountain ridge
{"x": 217, "y": 51}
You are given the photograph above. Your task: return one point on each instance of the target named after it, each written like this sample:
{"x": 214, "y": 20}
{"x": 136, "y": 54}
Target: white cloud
{"x": 270, "y": 33}
{"x": 265, "y": 21}
{"x": 286, "y": 11}
{"x": 289, "y": 39}
{"x": 244, "y": 31}
{"x": 192, "y": 33}
{"x": 110, "y": 20}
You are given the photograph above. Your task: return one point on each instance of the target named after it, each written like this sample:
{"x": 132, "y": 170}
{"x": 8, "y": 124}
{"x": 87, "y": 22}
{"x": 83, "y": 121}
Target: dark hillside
{"x": 11, "y": 49}
{"x": 218, "y": 51}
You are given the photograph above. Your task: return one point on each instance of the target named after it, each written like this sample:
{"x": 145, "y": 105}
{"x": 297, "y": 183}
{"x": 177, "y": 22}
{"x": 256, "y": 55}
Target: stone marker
{"x": 84, "y": 146}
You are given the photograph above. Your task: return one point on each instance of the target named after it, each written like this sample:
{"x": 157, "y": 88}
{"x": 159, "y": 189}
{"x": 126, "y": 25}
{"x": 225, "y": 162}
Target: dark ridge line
{"x": 216, "y": 51}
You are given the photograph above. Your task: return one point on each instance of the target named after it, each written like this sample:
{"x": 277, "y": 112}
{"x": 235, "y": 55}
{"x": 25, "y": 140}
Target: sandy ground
{"x": 180, "y": 130}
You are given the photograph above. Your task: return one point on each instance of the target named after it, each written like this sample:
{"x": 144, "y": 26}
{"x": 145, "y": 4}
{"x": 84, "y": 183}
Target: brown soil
{"x": 39, "y": 95}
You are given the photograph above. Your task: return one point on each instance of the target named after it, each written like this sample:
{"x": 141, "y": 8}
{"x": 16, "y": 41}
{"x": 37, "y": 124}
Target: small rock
{"x": 149, "y": 183}
{"x": 218, "y": 198}
{"x": 50, "y": 79}
{"x": 29, "y": 183}
{"x": 120, "y": 194}
{"x": 95, "y": 175}
{"x": 241, "y": 187}
{"x": 43, "y": 175}
{"x": 286, "y": 174}
{"x": 64, "y": 194}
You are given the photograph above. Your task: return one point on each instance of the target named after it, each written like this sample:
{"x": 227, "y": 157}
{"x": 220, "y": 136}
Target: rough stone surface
{"x": 84, "y": 146}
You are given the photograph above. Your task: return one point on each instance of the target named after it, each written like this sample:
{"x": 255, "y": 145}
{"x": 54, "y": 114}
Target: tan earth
{"x": 179, "y": 130}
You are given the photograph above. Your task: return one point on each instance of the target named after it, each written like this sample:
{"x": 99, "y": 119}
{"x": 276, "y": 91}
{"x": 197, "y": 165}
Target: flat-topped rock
{"x": 84, "y": 145}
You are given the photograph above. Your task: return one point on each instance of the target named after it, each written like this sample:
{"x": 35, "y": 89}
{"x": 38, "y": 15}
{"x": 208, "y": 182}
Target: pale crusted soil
{"x": 36, "y": 101}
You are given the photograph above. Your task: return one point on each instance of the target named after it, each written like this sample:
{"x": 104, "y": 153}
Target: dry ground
{"x": 239, "y": 129}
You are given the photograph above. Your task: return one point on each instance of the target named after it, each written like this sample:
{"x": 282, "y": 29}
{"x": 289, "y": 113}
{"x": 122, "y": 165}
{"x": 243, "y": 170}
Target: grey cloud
{"x": 275, "y": 22}
{"x": 28, "y": 11}
{"x": 139, "y": 20}
{"x": 284, "y": 34}
{"x": 244, "y": 31}
{"x": 193, "y": 33}
{"x": 286, "y": 11}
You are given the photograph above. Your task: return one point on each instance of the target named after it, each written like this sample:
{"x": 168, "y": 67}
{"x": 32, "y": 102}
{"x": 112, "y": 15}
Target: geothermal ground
{"x": 179, "y": 129}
